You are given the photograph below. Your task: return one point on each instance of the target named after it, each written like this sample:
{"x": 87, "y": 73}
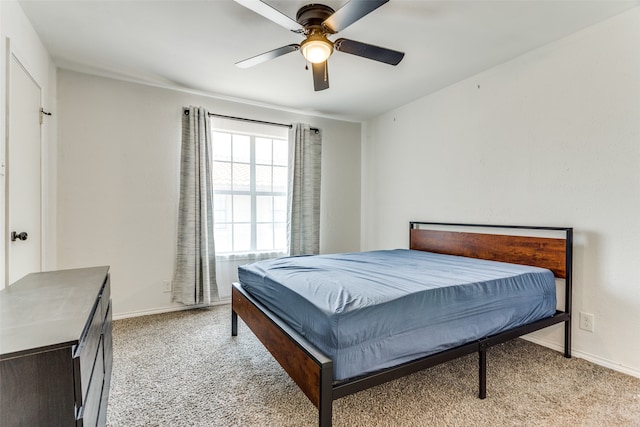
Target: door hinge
{"x": 42, "y": 114}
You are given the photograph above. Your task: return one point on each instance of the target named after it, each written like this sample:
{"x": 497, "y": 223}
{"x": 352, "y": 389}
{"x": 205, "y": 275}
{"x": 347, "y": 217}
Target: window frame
{"x": 252, "y": 192}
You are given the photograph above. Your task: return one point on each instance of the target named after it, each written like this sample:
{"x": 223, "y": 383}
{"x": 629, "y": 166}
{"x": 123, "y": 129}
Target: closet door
{"x": 23, "y": 174}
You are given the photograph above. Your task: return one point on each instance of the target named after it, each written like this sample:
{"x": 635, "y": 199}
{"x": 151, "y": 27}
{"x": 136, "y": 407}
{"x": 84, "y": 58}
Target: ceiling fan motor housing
{"x": 312, "y": 16}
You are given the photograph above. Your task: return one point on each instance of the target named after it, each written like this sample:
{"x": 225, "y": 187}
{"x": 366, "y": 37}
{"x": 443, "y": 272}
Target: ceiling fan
{"x": 316, "y": 22}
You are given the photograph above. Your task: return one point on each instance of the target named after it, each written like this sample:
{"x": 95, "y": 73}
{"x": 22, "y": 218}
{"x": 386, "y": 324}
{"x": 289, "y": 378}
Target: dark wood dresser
{"x": 56, "y": 349}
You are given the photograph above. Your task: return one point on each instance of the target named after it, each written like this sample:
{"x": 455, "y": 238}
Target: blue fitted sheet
{"x": 372, "y": 310}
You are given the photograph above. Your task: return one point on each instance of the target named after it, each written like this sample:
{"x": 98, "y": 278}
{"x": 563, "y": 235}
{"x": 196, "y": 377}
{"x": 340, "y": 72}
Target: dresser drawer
{"x": 105, "y": 297}
{"x": 88, "y": 414}
{"x": 107, "y": 342}
{"x": 86, "y": 355}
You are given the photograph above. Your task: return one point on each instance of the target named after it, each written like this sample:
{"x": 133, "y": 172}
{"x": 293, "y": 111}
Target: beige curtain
{"x": 194, "y": 280}
{"x": 303, "y": 222}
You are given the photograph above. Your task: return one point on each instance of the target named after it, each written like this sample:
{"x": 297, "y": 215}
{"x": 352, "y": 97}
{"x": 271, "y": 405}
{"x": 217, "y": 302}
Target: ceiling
{"x": 194, "y": 45}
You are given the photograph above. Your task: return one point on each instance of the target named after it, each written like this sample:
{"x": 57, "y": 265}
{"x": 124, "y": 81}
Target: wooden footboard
{"x": 309, "y": 368}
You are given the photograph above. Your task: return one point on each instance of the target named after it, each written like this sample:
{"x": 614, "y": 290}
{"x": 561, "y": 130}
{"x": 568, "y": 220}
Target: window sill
{"x": 249, "y": 256}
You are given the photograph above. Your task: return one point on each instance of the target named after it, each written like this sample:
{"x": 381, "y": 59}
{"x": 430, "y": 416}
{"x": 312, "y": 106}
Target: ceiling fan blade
{"x": 272, "y": 54}
{"x": 272, "y": 14}
{"x": 381, "y": 54}
{"x": 320, "y": 76}
{"x": 350, "y": 13}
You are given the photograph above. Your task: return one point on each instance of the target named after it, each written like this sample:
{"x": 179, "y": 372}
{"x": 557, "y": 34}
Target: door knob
{"x": 18, "y": 236}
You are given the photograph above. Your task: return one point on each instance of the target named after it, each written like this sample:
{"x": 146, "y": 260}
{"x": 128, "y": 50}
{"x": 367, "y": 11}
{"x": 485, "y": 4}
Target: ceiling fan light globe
{"x": 317, "y": 51}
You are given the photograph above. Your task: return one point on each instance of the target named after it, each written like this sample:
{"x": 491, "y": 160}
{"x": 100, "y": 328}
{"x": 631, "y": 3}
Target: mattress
{"x": 372, "y": 310}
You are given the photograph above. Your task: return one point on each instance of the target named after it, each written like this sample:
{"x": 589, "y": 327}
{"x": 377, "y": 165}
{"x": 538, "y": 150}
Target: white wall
{"x": 119, "y": 146}
{"x": 550, "y": 138}
{"x": 17, "y": 33}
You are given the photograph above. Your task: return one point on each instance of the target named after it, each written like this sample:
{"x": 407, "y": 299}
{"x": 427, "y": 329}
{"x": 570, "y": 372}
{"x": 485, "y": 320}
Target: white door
{"x": 23, "y": 175}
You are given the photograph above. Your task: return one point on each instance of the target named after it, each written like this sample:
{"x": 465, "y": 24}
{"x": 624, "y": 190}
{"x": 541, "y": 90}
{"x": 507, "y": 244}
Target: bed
{"x": 342, "y": 323}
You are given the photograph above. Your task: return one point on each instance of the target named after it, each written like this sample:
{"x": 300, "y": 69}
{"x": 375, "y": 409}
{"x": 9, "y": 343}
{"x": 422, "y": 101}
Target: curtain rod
{"x": 243, "y": 119}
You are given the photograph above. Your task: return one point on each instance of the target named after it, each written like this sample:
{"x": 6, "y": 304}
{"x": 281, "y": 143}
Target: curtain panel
{"x": 303, "y": 219}
{"x": 194, "y": 280}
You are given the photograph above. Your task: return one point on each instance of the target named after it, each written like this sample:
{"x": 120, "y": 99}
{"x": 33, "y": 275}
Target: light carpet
{"x": 185, "y": 369}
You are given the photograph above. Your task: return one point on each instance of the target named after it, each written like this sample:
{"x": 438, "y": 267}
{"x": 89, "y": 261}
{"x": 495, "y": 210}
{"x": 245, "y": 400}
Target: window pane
{"x": 241, "y": 177}
{"x": 280, "y": 152}
{"x": 264, "y": 238}
{"x": 241, "y": 208}
{"x": 222, "y": 208}
{"x": 263, "y": 151}
{"x": 280, "y": 236}
{"x": 263, "y": 178}
{"x": 241, "y": 148}
{"x": 223, "y": 238}
{"x": 280, "y": 208}
{"x": 279, "y": 179}
{"x": 241, "y": 237}
{"x": 221, "y": 176}
{"x": 264, "y": 209}
{"x": 221, "y": 145}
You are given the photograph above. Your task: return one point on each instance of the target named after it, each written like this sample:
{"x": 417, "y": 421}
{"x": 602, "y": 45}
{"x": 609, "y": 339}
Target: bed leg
{"x": 234, "y": 323}
{"x": 325, "y": 415}
{"x": 567, "y": 339}
{"x": 482, "y": 371}
{"x": 325, "y": 406}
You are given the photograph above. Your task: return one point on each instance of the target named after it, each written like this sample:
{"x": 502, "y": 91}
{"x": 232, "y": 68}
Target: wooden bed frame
{"x": 312, "y": 371}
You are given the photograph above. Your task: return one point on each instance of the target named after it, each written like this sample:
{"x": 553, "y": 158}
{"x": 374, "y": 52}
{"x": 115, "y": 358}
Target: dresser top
{"x": 47, "y": 310}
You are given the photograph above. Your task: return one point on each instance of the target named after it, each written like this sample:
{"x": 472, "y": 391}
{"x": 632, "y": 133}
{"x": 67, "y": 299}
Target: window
{"x": 250, "y": 192}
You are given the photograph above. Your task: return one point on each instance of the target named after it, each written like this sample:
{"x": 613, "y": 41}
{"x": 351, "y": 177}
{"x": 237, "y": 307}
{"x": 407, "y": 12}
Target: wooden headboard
{"x": 551, "y": 253}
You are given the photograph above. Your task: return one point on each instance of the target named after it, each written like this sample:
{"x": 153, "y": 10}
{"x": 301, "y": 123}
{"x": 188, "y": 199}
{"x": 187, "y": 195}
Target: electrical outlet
{"x": 167, "y": 285}
{"x": 586, "y": 321}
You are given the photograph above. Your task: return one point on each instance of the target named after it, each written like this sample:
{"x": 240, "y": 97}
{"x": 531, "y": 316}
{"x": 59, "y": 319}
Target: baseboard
{"x": 170, "y": 309}
{"x": 586, "y": 356}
